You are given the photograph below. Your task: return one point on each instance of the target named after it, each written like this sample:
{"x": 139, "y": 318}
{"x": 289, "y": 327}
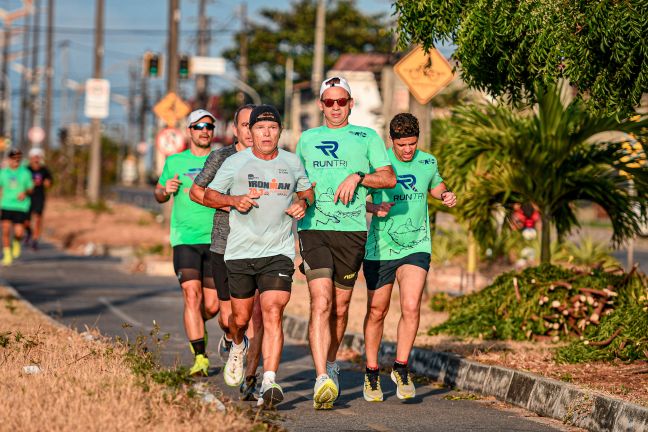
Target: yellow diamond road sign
{"x": 171, "y": 109}
{"x": 424, "y": 74}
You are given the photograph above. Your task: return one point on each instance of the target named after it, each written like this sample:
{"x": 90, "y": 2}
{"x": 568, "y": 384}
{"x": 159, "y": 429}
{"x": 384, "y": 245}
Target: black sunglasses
{"x": 341, "y": 102}
{"x": 203, "y": 125}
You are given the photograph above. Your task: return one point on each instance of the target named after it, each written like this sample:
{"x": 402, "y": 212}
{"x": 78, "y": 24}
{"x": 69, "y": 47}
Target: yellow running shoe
{"x": 325, "y": 393}
{"x": 15, "y": 249}
{"x": 372, "y": 391}
{"x": 404, "y": 385}
{"x": 200, "y": 366}
{"x": 6, "y": 256}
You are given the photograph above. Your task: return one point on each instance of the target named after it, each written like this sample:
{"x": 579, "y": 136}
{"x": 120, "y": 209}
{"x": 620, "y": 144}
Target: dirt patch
{"x": 52, "y": 378}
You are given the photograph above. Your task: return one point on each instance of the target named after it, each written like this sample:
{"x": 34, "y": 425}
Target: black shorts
{"x": 219, "y": 271}
{"x": 381, "y": 273}
{"x": 335, "y": 255}
{"x": 14, "y": 216}
{"x": 192, "y": 262}
{"x": 272, "y": 273}
{"x": 37, "y": 206}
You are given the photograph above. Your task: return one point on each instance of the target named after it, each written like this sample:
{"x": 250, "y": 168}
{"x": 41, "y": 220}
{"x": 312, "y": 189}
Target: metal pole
{"x": 4, "y": 100}
{"x": 94, "y": 167}
{"x": 49, "y": 75}
{"x": 24, "y": 90}
{"x": 33, "y": 84}
{"x": 243, "y": 60}
{"x": 318, "y": 51}
{"x": 204, "y": 38}
{"x": 172, "y": 47}
{"x": 288, "y": 90}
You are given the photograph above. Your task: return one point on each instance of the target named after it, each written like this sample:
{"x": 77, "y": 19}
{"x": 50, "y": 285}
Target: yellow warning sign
{"x": 424, "y": 74}
{"x": 171, "y": 109}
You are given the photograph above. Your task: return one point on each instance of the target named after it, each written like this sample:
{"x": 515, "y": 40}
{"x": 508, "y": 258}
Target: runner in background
{"x": 42, "y": 179}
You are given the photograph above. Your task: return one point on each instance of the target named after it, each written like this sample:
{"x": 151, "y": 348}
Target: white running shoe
{"x": 271, "y": 394}
{"x": 324, "y": 393}
{"x": 333, "y": 371}
{"x": 233, "y": 373}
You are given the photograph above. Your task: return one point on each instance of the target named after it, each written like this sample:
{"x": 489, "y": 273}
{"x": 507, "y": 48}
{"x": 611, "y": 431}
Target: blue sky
{"x": 74, "y": 20}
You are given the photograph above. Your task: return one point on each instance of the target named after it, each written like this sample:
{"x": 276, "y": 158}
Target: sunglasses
{"x": 204, "y": 125}
{"x": 330, "y": 102}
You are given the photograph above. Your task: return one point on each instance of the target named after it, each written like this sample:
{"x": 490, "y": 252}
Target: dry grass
{"x": 89, "y": 384}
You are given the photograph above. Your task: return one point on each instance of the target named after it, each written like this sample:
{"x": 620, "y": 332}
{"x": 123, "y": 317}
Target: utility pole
{"x": 172, "y": 46}
{"x": 132, "y": 89}
{"x": 204, "y": 39}
{"x": 94, "y": 167}
{"x": 34, "y": 85}
{"x": 288, "y": 91}
{"x": 243, "y": 60}
{"x": 144, "y": 110}
{"x": 5, "y": 99}
{"x": 49, "y": 75}
{"x": 24, "y": 90}
{"x": 65, "y": 65}
{"x": 318, "y": 51}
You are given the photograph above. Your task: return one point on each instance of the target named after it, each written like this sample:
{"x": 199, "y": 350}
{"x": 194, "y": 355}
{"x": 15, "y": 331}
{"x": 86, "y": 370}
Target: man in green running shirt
{"x": 191, "y": 227}
{"x": 398, "y": 249}
{"x": 338, "y": 157}
{"x": 17, "y": 185}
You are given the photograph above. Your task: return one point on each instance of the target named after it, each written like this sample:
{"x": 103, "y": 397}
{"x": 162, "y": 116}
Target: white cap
{"x": 335, "y": 81}
{"x": 36, "y": 151}
{"x": 198, "y": 114}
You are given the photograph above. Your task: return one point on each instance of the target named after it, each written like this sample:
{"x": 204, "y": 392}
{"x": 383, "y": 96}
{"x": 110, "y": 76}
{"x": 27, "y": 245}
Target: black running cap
{"x": 264, "y": 113}
{"x": 14, "y": 152}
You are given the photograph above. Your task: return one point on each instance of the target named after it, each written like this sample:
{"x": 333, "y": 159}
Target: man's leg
{"x": 19, "y": 232}
{"x": 273, "y": 304}
{"x": 411, "y": 280}
{"x": 319, "y": 329}
{"x": 7, "y": 258}
{"x": 377, "y": 308}
{"x": 241, "y": 314}
{"x": 255, "y": 336}
{"x": 338, "y": 320}
{"x": 193, "y": 321}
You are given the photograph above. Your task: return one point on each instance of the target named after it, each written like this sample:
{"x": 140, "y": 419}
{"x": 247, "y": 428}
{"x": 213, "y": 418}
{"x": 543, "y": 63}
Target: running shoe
{"x": 6, "y": 256}
{"x": 224, "y": 347}
{"x": 333, "y": 371}
{"x": 248, "y": 387}
{"x": 271, "y": 394}
{"x": 16, "y": 249}
{"x": 404, "y": 385}
{"x": 200, "y": 366}
{"x": 372, "y": 391}
{"x": 325, "y": 393}
{"x": 233, "y": 373}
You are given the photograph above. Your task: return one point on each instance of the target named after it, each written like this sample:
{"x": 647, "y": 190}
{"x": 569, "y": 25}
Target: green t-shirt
{"x": 329, "y": 156}
{"x": 406, "y": 229}
{"x": 191, "y": 223}
{"x": 14, "y": 182}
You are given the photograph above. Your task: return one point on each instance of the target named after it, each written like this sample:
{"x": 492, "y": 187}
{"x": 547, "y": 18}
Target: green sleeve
{"x": 377, "y": 152}
{"x": 166, "y": 174}
{"x": 298, "y": 151}
{"x": 436, "y": 179}
{"x": 29, "y": 181}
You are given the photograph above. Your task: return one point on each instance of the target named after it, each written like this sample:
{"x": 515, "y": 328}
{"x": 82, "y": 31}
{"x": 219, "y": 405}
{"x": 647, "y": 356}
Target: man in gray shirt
{"x": 218, "y": 241}
{"x": 258, "y": 185}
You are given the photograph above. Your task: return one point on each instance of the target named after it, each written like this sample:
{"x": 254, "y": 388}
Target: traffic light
{"x": 183, "y": 67}
{"x": 152, "y": 65}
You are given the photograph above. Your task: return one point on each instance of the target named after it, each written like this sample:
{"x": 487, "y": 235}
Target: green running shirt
{"x": 329, "y": 156}
{"x": 191, "y": 223}
{"x": 14, "y": 182}
{"x": 406, "y": 229}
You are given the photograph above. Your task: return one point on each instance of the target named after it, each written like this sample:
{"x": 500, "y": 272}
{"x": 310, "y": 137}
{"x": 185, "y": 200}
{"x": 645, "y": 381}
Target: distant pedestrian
{"x": 16, "y": 183}
{"x": 219, "y": 241}
{"x": 42, "y": 178}
{"x": 191, "y": 227}
{"x": 258, "y": 185}
{"x": 398, "y": 249}
{"x": 345, "y": 162}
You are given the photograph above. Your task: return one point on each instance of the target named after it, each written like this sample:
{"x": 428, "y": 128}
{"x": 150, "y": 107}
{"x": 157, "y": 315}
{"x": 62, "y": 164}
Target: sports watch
{"x": 361, "y": 175}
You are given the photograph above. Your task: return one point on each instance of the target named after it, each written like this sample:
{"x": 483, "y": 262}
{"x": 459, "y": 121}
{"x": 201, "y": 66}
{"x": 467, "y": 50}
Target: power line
{"x": 121, "y": 31}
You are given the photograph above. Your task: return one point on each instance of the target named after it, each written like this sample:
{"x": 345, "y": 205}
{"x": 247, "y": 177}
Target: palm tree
{"x": 552, "y": 156}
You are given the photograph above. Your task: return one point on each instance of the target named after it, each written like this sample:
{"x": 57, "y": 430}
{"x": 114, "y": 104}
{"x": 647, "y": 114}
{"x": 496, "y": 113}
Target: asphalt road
{"x": 93, "y": 292}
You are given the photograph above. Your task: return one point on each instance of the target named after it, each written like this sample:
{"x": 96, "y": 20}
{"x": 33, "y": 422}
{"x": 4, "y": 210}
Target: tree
{"x": 292, "y": 33}
{"x": 505, "y": 46}
{"x": 552, "y": 156}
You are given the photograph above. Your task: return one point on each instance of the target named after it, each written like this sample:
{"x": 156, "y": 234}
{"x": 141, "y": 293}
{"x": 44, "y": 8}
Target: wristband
{"x": 361, "y": 175}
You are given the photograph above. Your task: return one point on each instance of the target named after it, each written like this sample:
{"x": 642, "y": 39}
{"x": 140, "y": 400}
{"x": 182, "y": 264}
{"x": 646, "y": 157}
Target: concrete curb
{"x": 15, "y": 294}
{"x": 544, "y": 396}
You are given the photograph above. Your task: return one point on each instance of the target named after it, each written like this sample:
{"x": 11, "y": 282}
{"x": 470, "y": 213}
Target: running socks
{"x": 373, "y": 370}
{"x": 198, "y": 346}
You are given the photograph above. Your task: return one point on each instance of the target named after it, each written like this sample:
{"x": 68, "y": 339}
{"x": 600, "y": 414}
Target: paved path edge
{"x": 15, "y": 294}
{"x": 544, "y": 396}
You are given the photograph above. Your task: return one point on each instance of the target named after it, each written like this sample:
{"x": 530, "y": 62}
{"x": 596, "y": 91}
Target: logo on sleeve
{"x": 408, "y": 181}
{"x": 329, "y": 148}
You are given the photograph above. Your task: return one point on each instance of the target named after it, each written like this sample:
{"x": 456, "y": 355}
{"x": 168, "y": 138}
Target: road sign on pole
{"x": 97, "y": 98}
{"x": 207, "y": 65}
{"x": 36, "y": 135}
{"x": 424, "y": 74}
{"x": 170, "y": 141}
{"x": 171, "y": 109}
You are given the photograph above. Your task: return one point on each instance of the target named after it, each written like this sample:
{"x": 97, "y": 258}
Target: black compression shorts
{"x": 192, "y": 262}
{"x": 219, "y": 271}
{"x": 381, "y": 273}
{"x": 272, "y": 273}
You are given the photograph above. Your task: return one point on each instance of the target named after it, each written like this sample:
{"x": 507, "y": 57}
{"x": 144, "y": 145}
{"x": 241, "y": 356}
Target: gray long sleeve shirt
{"x": 203, "y": 179}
